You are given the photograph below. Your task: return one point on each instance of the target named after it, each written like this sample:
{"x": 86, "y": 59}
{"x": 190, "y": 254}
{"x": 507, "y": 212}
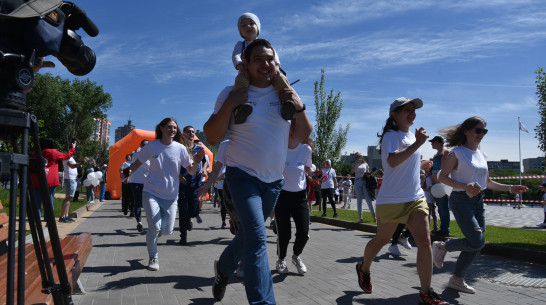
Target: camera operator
{"x": 51, "y": 157}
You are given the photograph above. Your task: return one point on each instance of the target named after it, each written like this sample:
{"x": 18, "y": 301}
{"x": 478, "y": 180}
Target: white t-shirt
{"x": 329, "y": 183}
{"x": 221, "y": 157}
{"x": 294, "y": 171}
{"x": 68, "y": 172}
{"x": 361, "y": 169}
{"x": 165, "y": 162}
{"x": 139, "y": 176}
{"x": 259, "y": 145}
{"x": 403, "y": 182}
{"x": 125, "y": 165}
{"x": 347, "y": 185}
{"x": 429, "y": 183}
{"x": 471, "y": 167}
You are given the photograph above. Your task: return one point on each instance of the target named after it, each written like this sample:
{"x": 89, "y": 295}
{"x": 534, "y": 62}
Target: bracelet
{"x": 510, "y": 189}
{"x": 302, "y": 109}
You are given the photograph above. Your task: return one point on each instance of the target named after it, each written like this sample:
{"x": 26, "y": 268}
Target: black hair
{"x": 47, "y": 143}
{"x": 187, "y": 127}
{"x": 257, "y": 43}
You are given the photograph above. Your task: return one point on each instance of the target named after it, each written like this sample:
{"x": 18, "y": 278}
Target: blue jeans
{"x": 254, "y": 200}
{"x": 90, "y": 191}
{"x": 102, "y": 191}
{"x": 160, "y": 214}
{"x": 443, "y": 211}
{"x": 362, "y": 192}
{"x": 470, "y": 216}
{"x": 39, "y": 198}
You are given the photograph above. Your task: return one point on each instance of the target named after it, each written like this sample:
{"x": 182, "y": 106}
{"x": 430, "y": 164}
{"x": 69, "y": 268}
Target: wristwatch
{"x": 302, "y": 109}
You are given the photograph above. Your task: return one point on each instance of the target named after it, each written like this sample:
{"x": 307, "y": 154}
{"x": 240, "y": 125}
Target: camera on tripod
{"x": 30, "y": 30}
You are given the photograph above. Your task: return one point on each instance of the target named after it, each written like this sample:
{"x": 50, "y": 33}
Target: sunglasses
{"x": 481, "y": 130}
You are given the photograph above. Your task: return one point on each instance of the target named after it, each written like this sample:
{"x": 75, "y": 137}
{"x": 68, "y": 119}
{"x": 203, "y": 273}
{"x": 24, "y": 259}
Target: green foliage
{"x": 342, "y": 169}
{"x": 541, "y": 94}
{"x": 66, "y": 109}
{"x": 532, "y": 184}
{"x": 329, "y": 141}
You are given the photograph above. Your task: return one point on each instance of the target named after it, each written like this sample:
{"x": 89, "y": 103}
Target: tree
{"x": 329, "y": 141}
{"x": 541, "y": 93}
{"x": 66, "y": 109}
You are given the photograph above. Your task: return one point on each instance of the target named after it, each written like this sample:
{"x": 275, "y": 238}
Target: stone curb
{"x": 79, "y": 212}
{"x": 512, "y": 253}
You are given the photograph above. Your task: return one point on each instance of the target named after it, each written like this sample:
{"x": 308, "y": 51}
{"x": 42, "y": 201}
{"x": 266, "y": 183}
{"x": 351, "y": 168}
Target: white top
{"x": 165, "y": 163}
{"x": 125, "y": 165}
{"x": 139, "y": 176}
{"x": 403, "y": 182}
{"x": 328, "y": 183}
{"x": 429, "y": 183}
{"x": 294, "y": 171}
{"x": 361, "y": 169}
{"x": 472, "y": 167}
{"x": 68, "y": 172}
{"x": 221, "y": 157}
{"x": 259, "y": 145}
{"x": 347, "y": 184}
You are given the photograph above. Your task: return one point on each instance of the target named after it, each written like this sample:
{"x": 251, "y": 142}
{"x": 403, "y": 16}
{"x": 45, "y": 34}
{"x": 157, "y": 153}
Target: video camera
{"x": 31, "y": 29}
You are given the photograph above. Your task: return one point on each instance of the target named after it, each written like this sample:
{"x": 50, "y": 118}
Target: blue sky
{"x": 462, "y": 58}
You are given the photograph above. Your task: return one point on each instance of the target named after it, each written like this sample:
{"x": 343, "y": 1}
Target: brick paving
{"x": 115, "y": 272}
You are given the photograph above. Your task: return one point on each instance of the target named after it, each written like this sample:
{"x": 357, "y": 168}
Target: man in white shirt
{"x": 254, "y": 165}
{"x": 70, "y": 174}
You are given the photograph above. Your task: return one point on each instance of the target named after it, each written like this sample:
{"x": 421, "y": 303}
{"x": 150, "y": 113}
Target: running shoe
{"x": 220, "y": 283}
{"x": 139, "y": 227}
{"x": 404, "y": 241}
{"x": 296, "y": 260}
{"x": 393, "y": 249}
{"x": 281, "y": 267}
{"x": 364, "y": 280}
{"x": 431, "y": 298}
{"x": 458, "y": 283}
{"x": 153, "y": 265}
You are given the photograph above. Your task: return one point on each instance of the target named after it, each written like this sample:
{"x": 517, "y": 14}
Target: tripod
{"x": 15, "y": 127}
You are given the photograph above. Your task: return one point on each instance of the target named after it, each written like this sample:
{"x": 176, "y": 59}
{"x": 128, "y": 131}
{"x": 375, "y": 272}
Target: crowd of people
{"x": 265, "y": 169}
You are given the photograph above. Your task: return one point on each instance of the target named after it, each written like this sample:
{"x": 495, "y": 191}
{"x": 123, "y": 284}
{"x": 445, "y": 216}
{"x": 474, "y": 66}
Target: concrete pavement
{"x": 115, "y": 272}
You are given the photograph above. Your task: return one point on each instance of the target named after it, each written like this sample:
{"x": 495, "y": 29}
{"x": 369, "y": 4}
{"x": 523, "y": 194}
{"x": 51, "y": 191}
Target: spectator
{"x": 71, "y": 184}
{"x": 103, "y": 182}
{"x": 329, "y": 183}
{"x": 442, "y": 203}
{"x": 360, "y": 168}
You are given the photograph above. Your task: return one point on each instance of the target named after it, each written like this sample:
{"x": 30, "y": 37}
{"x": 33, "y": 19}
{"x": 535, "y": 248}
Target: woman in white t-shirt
{"x": 359, "y": 168}
{"x": 160, "y": 192}
{"x": 401, "y": 198}
{"x": 467, "y": 165}
{"x": 327, "y": 187}
{"x": 292, "y": 203}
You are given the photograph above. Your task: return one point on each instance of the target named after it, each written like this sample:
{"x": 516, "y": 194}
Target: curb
{"x": 79, "y": 212}
{"x": 512, "y": 253}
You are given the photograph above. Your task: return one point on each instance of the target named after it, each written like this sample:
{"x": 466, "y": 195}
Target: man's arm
{"x": 217, "y": 125}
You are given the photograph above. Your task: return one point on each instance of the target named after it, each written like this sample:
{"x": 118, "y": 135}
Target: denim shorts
{"x": 70, "y": 185}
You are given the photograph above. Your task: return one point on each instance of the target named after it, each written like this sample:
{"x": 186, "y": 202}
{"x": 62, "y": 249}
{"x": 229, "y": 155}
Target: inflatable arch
{"x": 123, "y": 147}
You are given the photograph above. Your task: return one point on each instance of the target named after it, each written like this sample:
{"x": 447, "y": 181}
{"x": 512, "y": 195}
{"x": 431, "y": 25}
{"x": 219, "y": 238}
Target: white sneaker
{"x": 281, "y": 267}
{"x": 460, "y": 285}
{"x": 153, "y": 265}
{"x": 438, "y": 254}
{"x": 296, "y": 260}
{"x": 404, "y": 242}
{"x": 542, "y": 224}
{"x": 393, "y": 249}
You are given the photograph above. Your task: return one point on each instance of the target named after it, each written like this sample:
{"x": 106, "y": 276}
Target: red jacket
{"x": 52, "y": 156}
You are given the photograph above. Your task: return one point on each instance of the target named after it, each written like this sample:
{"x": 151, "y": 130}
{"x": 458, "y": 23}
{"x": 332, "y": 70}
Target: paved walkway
{"x": 115, "y": 272}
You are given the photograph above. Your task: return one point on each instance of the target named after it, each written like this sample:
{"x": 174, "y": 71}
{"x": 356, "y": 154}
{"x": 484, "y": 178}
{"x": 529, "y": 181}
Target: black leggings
{"x": 328, "y": 194}
{"x": 222, "y": 206}
{"x": 291, "y": 204}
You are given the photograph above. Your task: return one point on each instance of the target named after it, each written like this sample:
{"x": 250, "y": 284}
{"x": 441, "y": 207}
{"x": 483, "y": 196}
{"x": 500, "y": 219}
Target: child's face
{"x": 248, "y": 29}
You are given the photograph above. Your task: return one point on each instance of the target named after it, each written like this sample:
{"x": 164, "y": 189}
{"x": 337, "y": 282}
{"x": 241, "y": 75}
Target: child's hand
{"x": 421, "y": 135}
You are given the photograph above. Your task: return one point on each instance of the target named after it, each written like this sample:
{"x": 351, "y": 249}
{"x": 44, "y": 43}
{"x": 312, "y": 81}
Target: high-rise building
{"x": 374, "y": 157}
{"x": 532, "y": 163}
{"x": 101, "y": 133}
{"x": 124, "y": 130}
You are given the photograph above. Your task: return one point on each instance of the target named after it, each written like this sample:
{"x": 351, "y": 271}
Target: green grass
{"x": 57, "y": 203}
{"x": 513, "y": 237}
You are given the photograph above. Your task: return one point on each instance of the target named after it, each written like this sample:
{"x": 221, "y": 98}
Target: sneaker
{"x": 281, "y": 267}
{"x": 296, "y": 260}
{"x": 288, "y": 110}
{"x": 393, "y": 249}
{"x": 242, "y": 112}
{"x": 438, "y": 254}
{"x": 139, "y": 227}
{"x": 323, "y": 215}
{"x": 335, "y": 215}
{"x": 542, "y": 224}
{"x": 198, "y": 218}
{"x": 153, "y": 265}
{"x": 431, "y": 298}
{"x": 364, "y": 280}
{"x": 361, "y": 220}
{"x": 272, "y": 224}
{"x": 63, "y": 220}
{"x": 459, "y": 284}
{"x": 220, "y": 283}
{"x": 404, "y": 242}
{"x": 223, "y": 225}
{"x": 239, "y": 273}
{"x": 70, "y": 219}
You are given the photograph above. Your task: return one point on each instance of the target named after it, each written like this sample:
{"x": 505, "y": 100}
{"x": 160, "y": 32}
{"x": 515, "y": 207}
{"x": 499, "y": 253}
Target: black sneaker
{"x": 288, "y": 110}
{"x": 220, "y": 283}
{"x": 63, "y": 220}
{"x": 431, "y": 298}
{"x": 242, "y": 112}
{"x": 139, "y": 227}
{"x": 364, "y": 280}
{"x": 335, "y": 215}
{"x": 69, "y": 219}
